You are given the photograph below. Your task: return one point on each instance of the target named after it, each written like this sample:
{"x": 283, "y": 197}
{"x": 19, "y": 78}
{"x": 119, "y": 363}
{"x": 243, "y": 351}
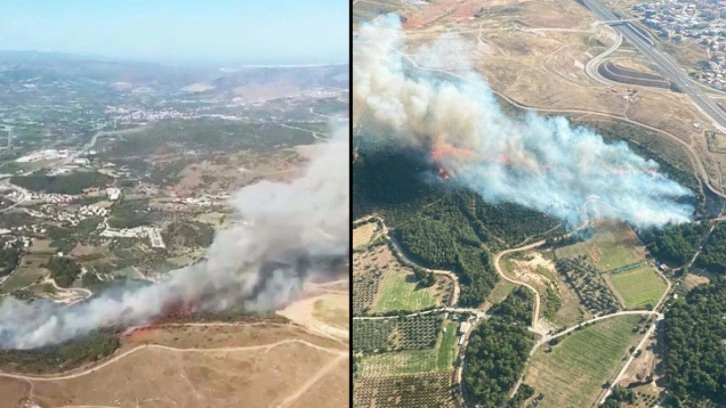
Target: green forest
{"x": 713, "y": 256}
{"x": 438, "y": 224}
{"x": 695, "y": 360}
{"x": 63, "y": 270}
{"x": 61, "y": 357}
{"x": 674, "y": 244}
{"x": 498, "y": 350}
{"x": 73, "y": 183}
{"x": 517, "y": 308}
{"x": 9, "y": 258}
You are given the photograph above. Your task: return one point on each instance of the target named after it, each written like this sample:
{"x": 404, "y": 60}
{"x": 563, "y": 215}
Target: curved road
{"x": 404, "y": 259}
{"x": 667, "y": 67}
{"x": 498, "y": 257}
{"x": 692, "y": 156}
{"x": 59, "y": 377}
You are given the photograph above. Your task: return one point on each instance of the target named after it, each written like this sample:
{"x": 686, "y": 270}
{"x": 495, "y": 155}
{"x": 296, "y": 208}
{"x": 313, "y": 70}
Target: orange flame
{"x": 448, "y": 149}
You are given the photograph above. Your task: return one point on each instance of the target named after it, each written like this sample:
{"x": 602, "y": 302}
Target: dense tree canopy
{"x": 73, "y": 183}
{"x": 63, "y": 270}
{"x": 517, "y": 308}
{"x": 9, "y": 258}
{"x": 438, "y": 224}
{"x": 713, "y": 256}
{"x": 497, "y": 352}
{"x": 695, "y": 362}
{"x": 675, "y": 244}
{"x": 60, "y": 357}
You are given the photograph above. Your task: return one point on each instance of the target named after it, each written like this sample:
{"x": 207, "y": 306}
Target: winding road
{"x": 266, "y": 347}
{"x": 545, "y": 335}
{"x": 664, "y": 64}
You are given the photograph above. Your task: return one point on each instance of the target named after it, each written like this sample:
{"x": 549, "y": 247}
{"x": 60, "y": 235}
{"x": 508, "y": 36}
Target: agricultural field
{"x": 639, "y": 288}
{"x": 409, "y": 391}
{"x": 31, "y": 269}
{"x": 399, "y": 290}
{"x": 405, "y": 333}
{"x": 382, "y": 284}
{"x": 589, "y": 285}
{"x": 365, "y": 287}
{"x": 613, "y": 246}
{"x": 573, "y": 372}
{"x": 437, "y": 359}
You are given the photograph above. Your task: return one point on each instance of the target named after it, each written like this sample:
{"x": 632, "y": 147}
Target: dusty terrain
{"x": 211, "y": 364}
{"x": 363, "y": 234}
{"x": 534, "y": 54}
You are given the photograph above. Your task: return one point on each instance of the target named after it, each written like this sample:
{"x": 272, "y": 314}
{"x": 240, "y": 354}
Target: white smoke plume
{"x": 295, "y": 232}
{"x": 541, "y": 163}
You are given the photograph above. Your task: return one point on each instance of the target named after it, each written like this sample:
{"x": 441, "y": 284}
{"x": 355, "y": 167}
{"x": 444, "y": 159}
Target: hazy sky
{"x": 246, "y": 31}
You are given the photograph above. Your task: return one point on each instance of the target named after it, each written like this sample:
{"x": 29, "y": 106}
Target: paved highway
{"x": 664, "y": 64}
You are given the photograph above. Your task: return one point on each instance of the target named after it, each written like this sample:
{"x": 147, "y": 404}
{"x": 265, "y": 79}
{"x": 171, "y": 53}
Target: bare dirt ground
{"x": 691, "y": 281}
{"x": 164, "y": 378}
{"x": 363, "y": 234}
{"x": 642, "y": 366}
{"x": 327, "y": 313}
{"x": 533, "y": 268}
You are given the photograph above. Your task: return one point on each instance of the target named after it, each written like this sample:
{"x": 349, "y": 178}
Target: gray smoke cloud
{"x": 539, "y": 162}
{"x": 295, "y": 232}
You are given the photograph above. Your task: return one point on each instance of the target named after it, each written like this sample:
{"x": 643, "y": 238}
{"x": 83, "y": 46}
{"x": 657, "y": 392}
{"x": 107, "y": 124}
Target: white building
{"x": 113, "y": 193}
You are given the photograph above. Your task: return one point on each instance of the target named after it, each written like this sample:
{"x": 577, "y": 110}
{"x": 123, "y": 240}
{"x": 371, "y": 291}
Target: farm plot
{"x": 573, "y": 372}
{"x": 365, "y": 287}
{"x": 589, "y": 284}
{"x": 382, "y": 284}
{"x": 409, "y": 391}
{"x": 406, "y": 333}
{"x": 400, "y": 291}
{"x": 437, "y": 359}
{"x": 613, "y": 246}
{"x": 639, "y": 288}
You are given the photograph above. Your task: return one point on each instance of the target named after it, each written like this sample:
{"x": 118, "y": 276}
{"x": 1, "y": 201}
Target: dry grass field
{"x": 202, "y": 365}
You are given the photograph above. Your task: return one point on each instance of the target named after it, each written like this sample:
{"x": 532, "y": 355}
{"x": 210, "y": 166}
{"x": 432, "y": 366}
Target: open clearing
{"x": 400, "y": 291}
{"x": 381, "y": 284}
{"x": 363, "y": 234}
{"x": 638, "y": 287}
{"x": 537, "y": 269}
{"x": 573, "y": 373}
{"x": 614, "y": 245}
{"x": 438, "y": 359}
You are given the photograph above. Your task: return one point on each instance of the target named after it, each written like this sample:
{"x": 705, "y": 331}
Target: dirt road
{"x": 266, "y": 347}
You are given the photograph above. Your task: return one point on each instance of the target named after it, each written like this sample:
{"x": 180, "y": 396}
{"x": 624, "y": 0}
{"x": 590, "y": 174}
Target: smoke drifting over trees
{"x": 541, "y": 163}
{"x": 297, "y": 231}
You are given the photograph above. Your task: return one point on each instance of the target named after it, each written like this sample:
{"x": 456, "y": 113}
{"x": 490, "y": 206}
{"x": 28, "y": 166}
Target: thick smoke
{"x": 541, "y": 163}
{"x": 294, "y": 232}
